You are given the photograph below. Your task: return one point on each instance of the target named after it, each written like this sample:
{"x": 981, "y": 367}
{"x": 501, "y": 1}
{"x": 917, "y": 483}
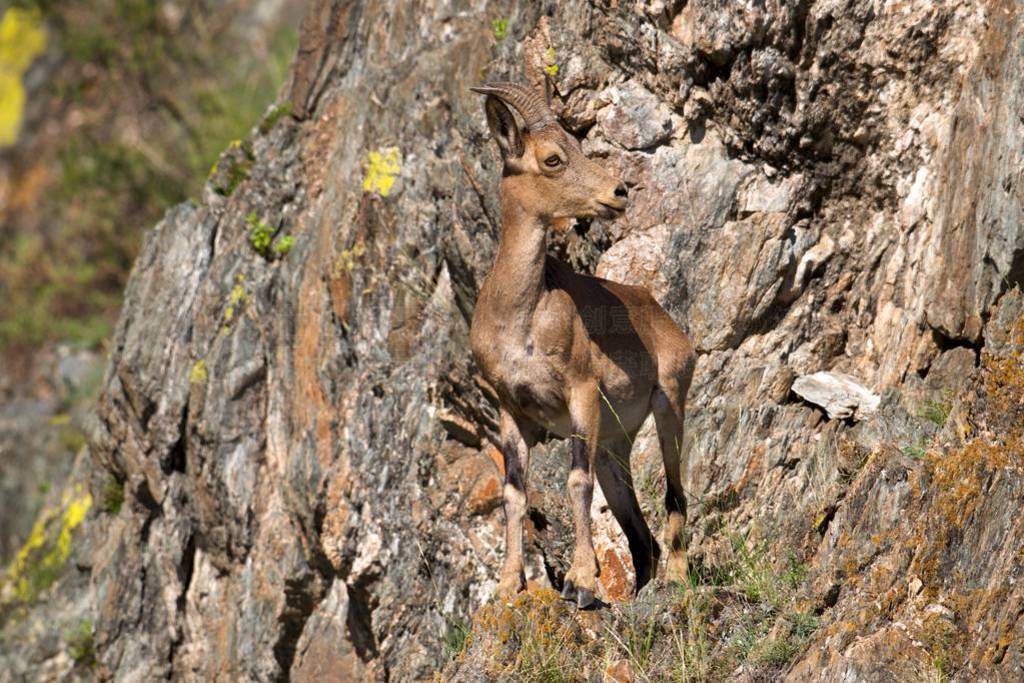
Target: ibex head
{"x": 545, "y": 169}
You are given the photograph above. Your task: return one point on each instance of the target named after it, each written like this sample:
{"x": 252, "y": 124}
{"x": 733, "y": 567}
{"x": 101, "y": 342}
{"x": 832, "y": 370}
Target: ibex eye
{"x": 552, "y": 161}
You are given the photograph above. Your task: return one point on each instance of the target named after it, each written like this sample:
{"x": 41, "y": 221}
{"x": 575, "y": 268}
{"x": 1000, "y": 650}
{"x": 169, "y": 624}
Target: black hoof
{"x": 585, "y": 599}
{"x": 569, "y": 591}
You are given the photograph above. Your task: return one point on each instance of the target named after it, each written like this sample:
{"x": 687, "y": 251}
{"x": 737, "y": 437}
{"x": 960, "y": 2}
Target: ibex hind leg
{"x": 667, "y": 404}
{"x": 613, "y": 473}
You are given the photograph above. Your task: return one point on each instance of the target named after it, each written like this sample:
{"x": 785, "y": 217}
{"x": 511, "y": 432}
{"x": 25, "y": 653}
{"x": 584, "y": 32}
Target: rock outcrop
{"x": 815, "y": 186}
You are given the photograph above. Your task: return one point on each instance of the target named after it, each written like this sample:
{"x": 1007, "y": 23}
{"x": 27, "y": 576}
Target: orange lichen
{"x": 531, "y": 636}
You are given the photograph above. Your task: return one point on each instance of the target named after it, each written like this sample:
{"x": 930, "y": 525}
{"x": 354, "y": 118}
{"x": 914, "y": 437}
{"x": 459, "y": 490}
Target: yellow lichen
{"x": 22, "y": 39}
{"x": 348, "y": 257}
{"x": 39, "y": 561}
{"x": 551, "y": 68}
{"x": 235, "y": 298}
{"x": 198, "y": 374}
{"x": 382, "y": 167}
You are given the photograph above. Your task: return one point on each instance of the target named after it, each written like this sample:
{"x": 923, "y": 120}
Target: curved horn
{"x": 529, "y": 104}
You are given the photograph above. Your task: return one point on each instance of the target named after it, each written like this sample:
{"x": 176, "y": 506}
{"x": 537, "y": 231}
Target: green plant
{"x": 260, "y": 234}
{"x": 80, "y": 647}
{"x": 499, "y": 27}
{"x": 938, "y": 411}
{"x": 796, "y": 571}
{"x": 261, "y": 238}
{"x": 72, "y": 439}
{"x": 112, "y": 496}
{"x": 284, "y": 245}
{"x": 456, "y": 637}
{"x": 635, "y": 634}
{"x": 276, "y": 113}
{"x": 531, "y": 638}
{"x": 915, "y": 451}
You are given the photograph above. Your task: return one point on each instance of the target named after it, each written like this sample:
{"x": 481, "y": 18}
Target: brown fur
{"x": 576, "y": 356}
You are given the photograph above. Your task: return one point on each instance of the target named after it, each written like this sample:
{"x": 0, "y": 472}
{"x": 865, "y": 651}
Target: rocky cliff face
{"x": 309, "y": 489}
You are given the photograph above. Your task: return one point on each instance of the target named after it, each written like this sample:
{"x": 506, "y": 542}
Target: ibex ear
{"x": 504, "y": 128}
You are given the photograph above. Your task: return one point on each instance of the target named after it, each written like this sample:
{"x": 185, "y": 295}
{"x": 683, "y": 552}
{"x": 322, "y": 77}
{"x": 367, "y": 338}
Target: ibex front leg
{"x": 516, "y": 452}
{"x": 585, "y": 411}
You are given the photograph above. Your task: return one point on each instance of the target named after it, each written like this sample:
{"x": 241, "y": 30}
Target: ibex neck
{"x": 516, "y": 282}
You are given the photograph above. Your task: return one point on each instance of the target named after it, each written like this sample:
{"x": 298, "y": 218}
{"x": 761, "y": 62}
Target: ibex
{"x": 575, "y": 356}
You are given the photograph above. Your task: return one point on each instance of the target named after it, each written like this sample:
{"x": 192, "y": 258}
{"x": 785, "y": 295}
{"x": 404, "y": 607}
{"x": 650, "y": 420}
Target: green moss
{"x": 276, "y": 113}
{"x": 72, "y": 439}
{"x": 237, "y": 173}
{"x": 80, "y": 646}
{"x": 112, "y": 497}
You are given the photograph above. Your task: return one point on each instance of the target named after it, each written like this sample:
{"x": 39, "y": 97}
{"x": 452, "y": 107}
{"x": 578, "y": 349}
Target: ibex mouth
{"x": 610, "y": 211}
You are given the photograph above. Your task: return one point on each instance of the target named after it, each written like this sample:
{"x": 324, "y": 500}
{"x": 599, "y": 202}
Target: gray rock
{"x": 840, "y": 395}
{"x": 634, "y": 117}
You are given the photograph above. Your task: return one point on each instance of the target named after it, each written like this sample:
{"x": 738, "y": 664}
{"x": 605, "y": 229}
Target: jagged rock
{"x": 840, "y": 395}
{"x": 634, "y": 119}
{"x": 284, "y": 426}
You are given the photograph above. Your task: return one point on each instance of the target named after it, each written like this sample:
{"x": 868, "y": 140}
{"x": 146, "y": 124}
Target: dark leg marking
{"x": 578, "y": 449}
{"x": 513, "y": 467}
{"x": 674, "y": 503}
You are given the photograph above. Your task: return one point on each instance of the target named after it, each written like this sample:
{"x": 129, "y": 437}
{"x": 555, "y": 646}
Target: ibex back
{"x": 580, "y": 357}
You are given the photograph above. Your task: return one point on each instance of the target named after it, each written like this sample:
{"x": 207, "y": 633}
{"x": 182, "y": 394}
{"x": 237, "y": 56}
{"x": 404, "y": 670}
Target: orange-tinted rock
{"x": 619, "y": 671}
